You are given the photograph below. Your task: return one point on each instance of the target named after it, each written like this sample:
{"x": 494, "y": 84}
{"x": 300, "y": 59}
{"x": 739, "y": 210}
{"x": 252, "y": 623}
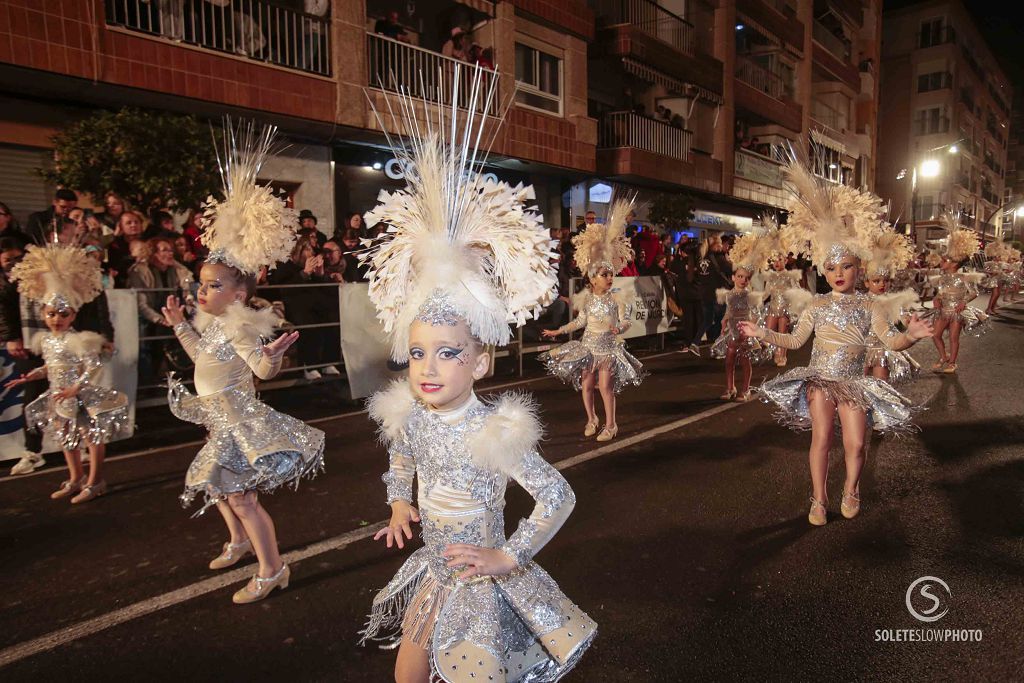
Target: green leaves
{"x": 671, "y": 211}
{"x": 153, "y": 159}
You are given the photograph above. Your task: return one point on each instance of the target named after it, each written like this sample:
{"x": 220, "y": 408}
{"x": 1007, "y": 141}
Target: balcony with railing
{"x": 259, "y": 30}
{"x": 763, "y": 80}
{"x": 766, "y": 95}
{"x": 829, "y": 116}
{"x": 395, "y": 66}
{"x": 626, "y": 129}
{"x": 653, "y": 20}
{"x": 837, "y": 46}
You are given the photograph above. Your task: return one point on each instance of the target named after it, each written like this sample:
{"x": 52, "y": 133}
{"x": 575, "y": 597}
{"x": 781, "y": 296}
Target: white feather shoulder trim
{"x": 390, "y": 408}
{"x": 86, "y": 343}
{"x": 508, "y": 434}
{"x": 891, "y": 306}
{"x": 974, "y": 278}
{"x": 798, "y": 299}
{"x": 237, "y": 317}
{"x": 722, "y": 295}
{"x": 580, "y": 299}
{"x": 756, "y": 297}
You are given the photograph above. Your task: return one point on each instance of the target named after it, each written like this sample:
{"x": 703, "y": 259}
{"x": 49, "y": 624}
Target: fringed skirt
{"x": 594, "y": 352}
{"x": 251, "y": 447}
{"x": 96, "y": 416}
{"x": 888, "y": 411}
{"x": 746, "y": 347}
{"x": 901, "y": 365}
{"x": 975, "y": 321}
{"x": 519, "y": 627}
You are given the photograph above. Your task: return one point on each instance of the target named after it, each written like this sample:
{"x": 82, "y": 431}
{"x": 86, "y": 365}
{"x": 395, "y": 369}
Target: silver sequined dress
{"x": 776, "y": 283}
{"x": 251, "y": 447}
{"x": 97, "y": 414}
{"x": 598, "y": 348}
{"x": 740, "y": 305}
{"x": 956, "y": 290}
{"x": 901, "y": 365}
{"x": 519, "y": 627}
{"x": 841, "y": 324}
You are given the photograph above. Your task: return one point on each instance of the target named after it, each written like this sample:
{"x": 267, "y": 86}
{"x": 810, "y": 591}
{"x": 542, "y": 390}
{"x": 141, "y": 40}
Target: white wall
{"x": 310, "y": 166}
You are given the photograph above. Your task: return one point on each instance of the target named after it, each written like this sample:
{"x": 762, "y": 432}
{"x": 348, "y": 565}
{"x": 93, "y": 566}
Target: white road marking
{"x": 317, "y": 420}
{"x": 90, "y": 627}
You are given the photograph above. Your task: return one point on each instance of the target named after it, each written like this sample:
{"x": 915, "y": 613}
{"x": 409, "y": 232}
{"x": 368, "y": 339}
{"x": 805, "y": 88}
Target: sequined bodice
{"x": 602, "y": 313}
{"x": 64, "y": 367}
{"x": 218, "y": 362}
{"x": 953, "y": 290}
{"x": 737, "y": 304}
{"x": 776, "y": 283}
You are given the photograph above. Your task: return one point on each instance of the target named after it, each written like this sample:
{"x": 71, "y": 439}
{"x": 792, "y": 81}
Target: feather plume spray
{"x": 997, "y": 249}
{"x": 58, "y": 274}
{"x": 892, "y": 251}
{"x": 605, "y": 243}
{"x": 250, "y": 227}
{"x": 478, "y": 244}
{"x": 752, "y": 250}
{"x": 961, "y": 243}
{"x": 835, "y": 219}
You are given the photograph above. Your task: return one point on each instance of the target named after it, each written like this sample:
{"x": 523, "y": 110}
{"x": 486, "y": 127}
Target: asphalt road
{"x": 689, "y": 545}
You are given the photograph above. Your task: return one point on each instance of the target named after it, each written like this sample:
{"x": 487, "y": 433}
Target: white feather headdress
{"x": 250, "y": 227}
{"x": 998, "y": 249}
{"x": 837, "y": 220}
{"x": 58, "y": 275}
{"x": 891, "y": 252}
{"x": 458, "y": 245}
{"x": 754, "y": 249}
{"x": 605, "y": 244}
{"x": 961, "y": 243}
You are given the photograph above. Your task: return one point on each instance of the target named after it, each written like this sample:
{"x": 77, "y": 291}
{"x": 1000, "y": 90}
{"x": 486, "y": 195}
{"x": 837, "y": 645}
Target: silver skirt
{"x": 569, "y": 361}
{"x": 96, "y": 416}
{"x": 901, "y": 365}
{"x": 251, "y": 447}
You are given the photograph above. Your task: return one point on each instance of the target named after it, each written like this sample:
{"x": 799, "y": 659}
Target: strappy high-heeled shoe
{"x": 608, "y": 433}
{"x": 817, "y": 516}
{"x": 68, "y": 488}
{"x": 852, "y": 508}
{"x": 261, "y": 587}
{"x": 231, "y": 554}
{"x": 591, "y": 427}
{"x": 729, "y": 395}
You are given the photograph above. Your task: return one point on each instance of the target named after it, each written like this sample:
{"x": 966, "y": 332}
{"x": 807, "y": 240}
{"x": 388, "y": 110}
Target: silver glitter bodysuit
{"x": 518, "y": 627}
{"x": 251, "y": 447}
{"x": 841, "y": 324}
{"x": 901, "y": 365}
{"x": 776, "y": 282}
{"x": 740, "y": 305}
{"x": 599, "y": 347}
{"x": 97, "y": 414}
{"x": 956, "y": 290}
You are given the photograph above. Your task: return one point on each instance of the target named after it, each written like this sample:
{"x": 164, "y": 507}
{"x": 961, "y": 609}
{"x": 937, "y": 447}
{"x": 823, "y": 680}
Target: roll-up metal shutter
{"x": 21, "y": 187}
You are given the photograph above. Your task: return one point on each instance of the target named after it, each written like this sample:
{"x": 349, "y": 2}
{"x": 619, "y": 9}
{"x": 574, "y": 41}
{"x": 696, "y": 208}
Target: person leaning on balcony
{"x": 389, "y": 27}
{"x": 455, "y": 46}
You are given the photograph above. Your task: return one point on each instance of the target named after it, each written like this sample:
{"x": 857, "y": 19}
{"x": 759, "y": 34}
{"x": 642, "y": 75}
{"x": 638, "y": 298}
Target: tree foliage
{"x": 153, "y": 159}
{"x": 671, "y": 211}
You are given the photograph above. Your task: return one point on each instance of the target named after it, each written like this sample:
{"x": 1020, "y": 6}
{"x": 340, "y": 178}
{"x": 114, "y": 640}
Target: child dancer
{"x": 747, "y": 255}
{"x": 75, "y": 411}
{"x": 470, "y": 605}
{"x": 889, "y": 255}
{"x": 996, "y": 254}
{"x": 777, "y": 281}
{"x": 839, "y": 222}
{"x": 599, "y": 357}
{"x": 953, "y": 292}
{"x": 251, "y": 448}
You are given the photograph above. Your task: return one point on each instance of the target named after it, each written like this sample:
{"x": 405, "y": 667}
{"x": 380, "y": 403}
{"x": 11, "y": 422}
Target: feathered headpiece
{"x": 458, "y": 245}
{"x": 752, "y": 250}
{"x": 891, "y": 252}
{"x": 837, "y": 220}
{"x": 998, "y": 249}
{"x": 250, "y": 227}
{"x": 961, "y": 242}
{"x": 58, "y": 275}
{"x": 604, "y": 245}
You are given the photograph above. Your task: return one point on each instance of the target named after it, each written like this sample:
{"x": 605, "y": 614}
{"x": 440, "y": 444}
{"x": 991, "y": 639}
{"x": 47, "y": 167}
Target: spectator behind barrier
{"x": 43, "y": 224}
{"x": 10, "y": 230}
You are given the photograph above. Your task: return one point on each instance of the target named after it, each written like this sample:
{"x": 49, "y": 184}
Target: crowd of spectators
{"x": 458, "y": 43}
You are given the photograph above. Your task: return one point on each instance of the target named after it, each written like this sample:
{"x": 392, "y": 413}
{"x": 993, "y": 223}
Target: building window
{"x": 538, "y": 79}
{"x": 934, "y": 33}
{"x": 827, "y": 163}
{"x": 931, "y": 121}
{"x": 934, "y": 81}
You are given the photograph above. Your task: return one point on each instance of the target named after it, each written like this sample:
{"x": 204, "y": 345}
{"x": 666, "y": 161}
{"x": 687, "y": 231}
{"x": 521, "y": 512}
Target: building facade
{"x": 944, "y": 122}
{"x": 1013, "y": 195}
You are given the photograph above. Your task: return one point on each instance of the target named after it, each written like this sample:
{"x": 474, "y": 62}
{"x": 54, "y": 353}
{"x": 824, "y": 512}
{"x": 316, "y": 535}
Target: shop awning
{"x": 826, "y": 141}
{"x": 674, "y": 85}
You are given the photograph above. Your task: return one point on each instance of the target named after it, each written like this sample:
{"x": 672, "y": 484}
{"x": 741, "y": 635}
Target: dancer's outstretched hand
{"x": 281, "y": 344}
{"x": 919, "y": 329}
{"x": 749, "y": 329}
{"x": 173, "y": 312}
{"x": 478, "y": 561}
{"x": 403, "y": 514}
{"x": 548, "y": 334}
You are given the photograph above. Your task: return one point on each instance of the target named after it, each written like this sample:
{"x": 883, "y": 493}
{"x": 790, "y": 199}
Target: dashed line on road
{"x": 142, "y": 608}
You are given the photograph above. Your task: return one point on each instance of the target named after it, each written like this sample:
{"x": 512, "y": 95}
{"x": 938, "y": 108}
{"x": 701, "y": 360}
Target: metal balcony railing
{"x": 652, "y": 19}
{"x": 760, "y": 78}
{"x": 830, "y": 116}
{"x": 626, "y": 129}
{"x": 397, "y": 67}
{"x": 261, "y": 30}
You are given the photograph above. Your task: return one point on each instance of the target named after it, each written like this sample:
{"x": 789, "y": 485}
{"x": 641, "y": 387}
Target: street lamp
{"x": 930, "y": 168}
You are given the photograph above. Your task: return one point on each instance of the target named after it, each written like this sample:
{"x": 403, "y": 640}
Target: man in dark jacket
{"x": 688, "y": 297}
{"x": 42, "y": 224}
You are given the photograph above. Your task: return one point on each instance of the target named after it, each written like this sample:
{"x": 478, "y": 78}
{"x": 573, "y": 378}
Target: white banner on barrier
{"x": 364, "y": 346}
{"x": 646, "y": 304}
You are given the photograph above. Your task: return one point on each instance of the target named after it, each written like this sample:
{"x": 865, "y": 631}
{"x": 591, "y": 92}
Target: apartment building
{"x": 944, "y": 121}
{"x": 313, "y": 74}
{"x": 1013, "y": 194}
{"x": 706, "y": 97}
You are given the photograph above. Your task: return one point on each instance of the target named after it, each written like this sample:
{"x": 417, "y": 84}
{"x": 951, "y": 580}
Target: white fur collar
{"x": 238, "y": 316}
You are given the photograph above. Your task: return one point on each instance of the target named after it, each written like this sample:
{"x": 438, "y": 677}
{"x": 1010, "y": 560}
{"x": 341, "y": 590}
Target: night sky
{"x": 1002, "y": 23}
